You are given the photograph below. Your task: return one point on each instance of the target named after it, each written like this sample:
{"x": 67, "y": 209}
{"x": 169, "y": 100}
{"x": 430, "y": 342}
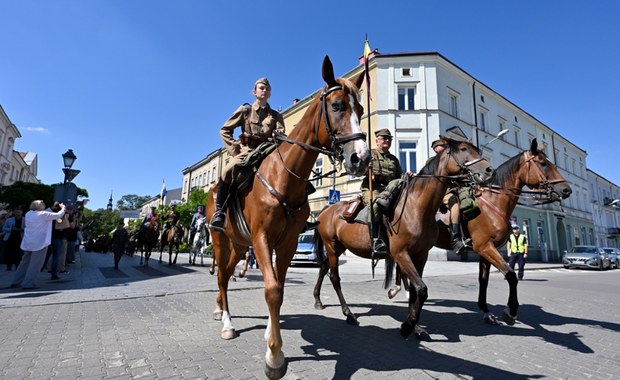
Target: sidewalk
{"x": 93, "y": 278}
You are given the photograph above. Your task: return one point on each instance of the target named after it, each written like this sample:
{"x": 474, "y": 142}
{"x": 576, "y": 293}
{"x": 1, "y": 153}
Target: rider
{"x": 385, "y": 169}
{"x": 147, "y": 219}
{"x": 258, "y": 123}
{"x": 200, "y": 213}
{"x": 172, "y": 220}
{"x": 452, "y": 203}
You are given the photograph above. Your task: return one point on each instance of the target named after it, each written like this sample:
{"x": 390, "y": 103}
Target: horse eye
{"x": 338, "y": 106}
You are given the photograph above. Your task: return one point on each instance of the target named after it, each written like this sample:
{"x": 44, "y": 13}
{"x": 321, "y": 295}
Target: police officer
{"x": 517, "y": 250}
{"x": 258, "y": 123}
{"x": 385, "y": 169}
{"x": 452, "y": 203}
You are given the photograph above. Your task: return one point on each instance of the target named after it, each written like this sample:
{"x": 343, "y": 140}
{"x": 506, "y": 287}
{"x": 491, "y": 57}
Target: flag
{"x": 367, "y": 52}
{"x": 163, "y": 189}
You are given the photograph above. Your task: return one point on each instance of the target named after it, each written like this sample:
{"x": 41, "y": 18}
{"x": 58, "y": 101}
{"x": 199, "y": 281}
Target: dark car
{"x": 614, "y": 256}
{"x": 305, "y": 250}
{"x": 586, "y": 256}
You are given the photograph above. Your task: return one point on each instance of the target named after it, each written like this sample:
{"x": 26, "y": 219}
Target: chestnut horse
{"x": 147, "y": 240}
{"x": 275, "y": 207}
{"x": 491, "y": 228}
{"x": 171, "y": 239}
{"x": 411, "y": 234}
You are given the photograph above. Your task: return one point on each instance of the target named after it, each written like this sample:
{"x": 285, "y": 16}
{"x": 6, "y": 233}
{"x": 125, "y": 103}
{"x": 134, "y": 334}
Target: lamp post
{"x": 500, "y": 134}
{"x": 67, "y": 192}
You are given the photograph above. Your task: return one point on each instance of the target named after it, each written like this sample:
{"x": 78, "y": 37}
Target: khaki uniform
{"x": 385, "y": 169}
{"x": 257, "y": 124}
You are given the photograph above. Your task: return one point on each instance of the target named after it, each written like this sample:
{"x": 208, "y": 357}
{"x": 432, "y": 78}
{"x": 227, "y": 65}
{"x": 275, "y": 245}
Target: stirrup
{"x": 379, "y": 246}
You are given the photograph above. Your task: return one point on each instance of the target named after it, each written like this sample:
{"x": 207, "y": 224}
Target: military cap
{"x": 515, "y": 227}
{"x": 383, "y": 132}
{"x": 439, "y": 142}
{"x": 262, "y": 80}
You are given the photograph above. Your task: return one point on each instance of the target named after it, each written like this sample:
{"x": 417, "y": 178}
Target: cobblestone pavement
{"x": 157, "y": 324}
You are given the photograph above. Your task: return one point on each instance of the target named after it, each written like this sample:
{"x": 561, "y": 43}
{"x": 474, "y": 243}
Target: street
{"x": 157, "y": 323}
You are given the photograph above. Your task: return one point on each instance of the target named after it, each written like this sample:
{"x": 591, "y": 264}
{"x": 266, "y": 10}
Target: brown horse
{"x": 147, "y": 240}
{"x": 275, "y": 206}
{"x": 497, "y": 201}
{"x": 171, "y": 238}
{"x": 411, "y": 234}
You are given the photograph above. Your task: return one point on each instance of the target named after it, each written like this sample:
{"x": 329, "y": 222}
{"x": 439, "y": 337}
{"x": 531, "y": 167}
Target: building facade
{"x": 605, "y": 202}
{"x": 14, "y": 166}
{"x": 419, "y": 96}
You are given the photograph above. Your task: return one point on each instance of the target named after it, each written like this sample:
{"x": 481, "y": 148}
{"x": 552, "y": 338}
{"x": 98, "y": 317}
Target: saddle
{"x": 355, "y": 211}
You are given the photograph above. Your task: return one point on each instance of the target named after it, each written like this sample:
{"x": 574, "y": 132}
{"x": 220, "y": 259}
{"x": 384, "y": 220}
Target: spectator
{"x": 13, "y": 232}
{"x": 37, "y": 237}
{"x": 120, "y": 239}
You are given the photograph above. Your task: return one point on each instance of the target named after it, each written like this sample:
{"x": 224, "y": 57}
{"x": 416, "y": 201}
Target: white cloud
{"x": 37, "y": 130}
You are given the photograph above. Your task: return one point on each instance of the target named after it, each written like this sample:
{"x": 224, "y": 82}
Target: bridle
{"x": 467, "y": 173}
{"x": 335, "y": 152}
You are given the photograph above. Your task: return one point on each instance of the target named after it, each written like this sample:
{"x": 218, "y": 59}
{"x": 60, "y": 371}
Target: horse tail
{"x": 389, "y": 272}
{"x": 317, "y": 242}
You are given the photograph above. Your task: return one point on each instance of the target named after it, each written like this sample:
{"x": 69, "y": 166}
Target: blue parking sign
{"x": 334, "y": 196}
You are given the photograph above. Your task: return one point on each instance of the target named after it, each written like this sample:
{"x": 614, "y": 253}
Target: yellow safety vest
{"x": 517, "y": 246}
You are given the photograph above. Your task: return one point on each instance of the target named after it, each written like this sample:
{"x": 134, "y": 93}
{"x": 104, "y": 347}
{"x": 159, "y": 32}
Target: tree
{"x": 187, "y": 210}
{"x": 131, "y": 201}
{"x": 99, "y": 222}
{"x": 23, "y": 193}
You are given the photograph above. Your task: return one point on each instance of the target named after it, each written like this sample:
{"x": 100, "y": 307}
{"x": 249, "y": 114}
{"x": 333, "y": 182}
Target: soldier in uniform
{"x": 386, "y": 176}
{"x": 453, "y": 204}
{"x": 258, "y": 123}
{"x": 172, "y": 220}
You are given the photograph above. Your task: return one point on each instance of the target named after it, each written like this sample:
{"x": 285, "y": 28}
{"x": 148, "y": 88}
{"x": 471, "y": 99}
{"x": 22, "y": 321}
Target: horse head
{"x": 541, "y": 174}
{"x": 463, "y": 158}
{"x": 339, "y": 121}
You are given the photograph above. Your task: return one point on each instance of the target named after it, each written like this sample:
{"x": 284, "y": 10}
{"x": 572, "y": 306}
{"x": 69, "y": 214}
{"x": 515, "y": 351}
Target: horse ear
{"x": 328, "y": 72}
{"x": 534, "y": 147}
{"x": 359, "y": 80}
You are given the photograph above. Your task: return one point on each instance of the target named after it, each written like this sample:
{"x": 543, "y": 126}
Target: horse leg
{"x": 417, "y": 297}
{"x": 161, "y": 251}
{"x": 318, "y": 305}
{"x": 492, "y": 256}
{"x": 396, "y": 289}
{"x": 246, "y": 262}
{"x": 483, "y": 281}
{"x": 212, "y": 268}
{"x": 176, "y": 254}
{"x": 334, "y": 277}
{"x": 274, "y": 278}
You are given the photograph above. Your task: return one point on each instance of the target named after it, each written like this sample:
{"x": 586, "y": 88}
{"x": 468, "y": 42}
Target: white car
{"x": 614, "y": 256}
{"x": 586, "y": 256}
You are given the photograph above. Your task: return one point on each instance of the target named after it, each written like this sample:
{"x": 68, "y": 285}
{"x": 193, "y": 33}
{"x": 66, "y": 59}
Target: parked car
{"x": 614, "y": 256}
{"x": 586, "y": 256}
{"x": 305, "y": 250}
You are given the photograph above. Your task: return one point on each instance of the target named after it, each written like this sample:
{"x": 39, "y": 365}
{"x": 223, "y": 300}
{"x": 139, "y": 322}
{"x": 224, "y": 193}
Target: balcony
{"x": 614, "y": 231}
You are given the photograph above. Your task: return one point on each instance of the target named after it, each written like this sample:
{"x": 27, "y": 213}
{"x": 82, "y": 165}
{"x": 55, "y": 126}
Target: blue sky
{"x": 138, "y": 89}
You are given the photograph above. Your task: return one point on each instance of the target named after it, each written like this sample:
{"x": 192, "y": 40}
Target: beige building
{"x": 14, "y": 166}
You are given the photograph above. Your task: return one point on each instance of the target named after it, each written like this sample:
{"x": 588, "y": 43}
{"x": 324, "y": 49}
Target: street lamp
{"x": 500, "y": 134}
{"x": 68, "y": 159}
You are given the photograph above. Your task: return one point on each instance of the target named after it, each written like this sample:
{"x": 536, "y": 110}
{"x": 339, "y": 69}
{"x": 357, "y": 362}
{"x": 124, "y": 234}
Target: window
{"x": 406, "y": 72}
{"x": 407, "y": 156}
{"x": 214, "y": 174}
{"x": 454, "y": 104}
{"x": 318, "y": 171}
{"x": 406, "y": 97}
{"x": 484, "y": 115}
{"x": 517, "y": 140}
{"x": 502, "y": 126}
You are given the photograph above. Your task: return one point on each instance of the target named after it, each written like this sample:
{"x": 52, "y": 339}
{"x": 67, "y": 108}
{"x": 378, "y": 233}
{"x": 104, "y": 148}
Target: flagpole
{"x": 367, "y": 79}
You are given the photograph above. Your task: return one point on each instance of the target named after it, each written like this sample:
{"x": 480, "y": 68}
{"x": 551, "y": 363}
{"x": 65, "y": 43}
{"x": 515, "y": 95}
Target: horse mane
{"x": 506, "y": 171}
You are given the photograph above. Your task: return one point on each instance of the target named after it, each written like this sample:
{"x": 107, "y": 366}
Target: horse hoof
{"x": 351, "y": 320}
{"x": 228, "y": 334}
{"x": 421, "y": 333}
{"x": 319, "y": 306}
{"x": 242, "y": 273}
{"x": 491, "y": 319}
{"x": 406, "y": 329}
{"x": 509, "y": 319}
{"x": 276, "y": 373}
{"x": 169, "y": 263}
{"x": 211, "y": 271}
{"x": 217, "y": 315}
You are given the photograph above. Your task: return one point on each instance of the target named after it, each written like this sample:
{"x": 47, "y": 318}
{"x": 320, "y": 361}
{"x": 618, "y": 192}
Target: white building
{"x": 14, "y": 166}
{"x": 605, "y": 202}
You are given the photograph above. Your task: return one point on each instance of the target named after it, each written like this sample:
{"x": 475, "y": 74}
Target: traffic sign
{"x": 334, "y": 196}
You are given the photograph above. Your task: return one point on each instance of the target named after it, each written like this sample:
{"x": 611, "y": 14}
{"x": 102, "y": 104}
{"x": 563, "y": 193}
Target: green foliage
{"x": 99, "y": 222}
{"x": 187, "y": 210}
{"x": 131, "y": 201}
{"x": 23, "y": 193}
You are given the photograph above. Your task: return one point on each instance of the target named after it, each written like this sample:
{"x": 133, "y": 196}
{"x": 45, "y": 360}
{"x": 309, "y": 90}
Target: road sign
{"x": 334, "y": 196}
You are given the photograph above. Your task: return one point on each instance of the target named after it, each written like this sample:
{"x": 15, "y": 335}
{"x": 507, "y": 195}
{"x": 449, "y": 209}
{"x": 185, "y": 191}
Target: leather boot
{"x": 219, "y": 218}
{"x": 378, "y": 245}
{"x": 458, "y": 245}
{"x": 383, "y": 203}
